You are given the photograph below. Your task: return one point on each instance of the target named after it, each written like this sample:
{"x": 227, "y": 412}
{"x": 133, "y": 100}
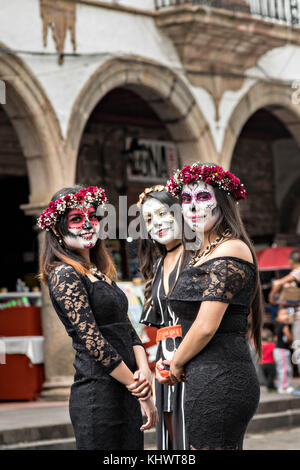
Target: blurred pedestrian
{"x": 267, "y": 364}
{"x": 293, "y": 276}
{"x": 282, "y": 353}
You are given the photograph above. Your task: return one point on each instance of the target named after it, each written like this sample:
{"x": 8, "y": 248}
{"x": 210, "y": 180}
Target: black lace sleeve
{"x": 69, "y": 295}
{"x": 225, "y": 279}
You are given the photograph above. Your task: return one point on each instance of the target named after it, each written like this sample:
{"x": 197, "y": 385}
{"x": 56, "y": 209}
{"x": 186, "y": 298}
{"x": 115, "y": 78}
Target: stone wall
{"x": 253, "y": 163}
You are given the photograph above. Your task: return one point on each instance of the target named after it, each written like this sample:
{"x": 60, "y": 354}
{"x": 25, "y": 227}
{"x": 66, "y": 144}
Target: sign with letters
{"x": 150, "y": 160}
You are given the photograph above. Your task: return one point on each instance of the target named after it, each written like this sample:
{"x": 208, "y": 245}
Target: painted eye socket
{"x": 148, "y": 220}
{"x": 162, "y": 213}
{"x": 186, "y": 198}
{"x": 203, "y": 196}
{"x": 76, "y": 218}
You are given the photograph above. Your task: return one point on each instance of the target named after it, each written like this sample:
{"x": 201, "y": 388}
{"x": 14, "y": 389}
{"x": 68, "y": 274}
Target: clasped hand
{"x": 176, "y": 372}
{"x": 141, "y": 387}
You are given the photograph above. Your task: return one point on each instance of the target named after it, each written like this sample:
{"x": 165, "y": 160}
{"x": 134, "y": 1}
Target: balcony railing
{"x": 282, "y": 11}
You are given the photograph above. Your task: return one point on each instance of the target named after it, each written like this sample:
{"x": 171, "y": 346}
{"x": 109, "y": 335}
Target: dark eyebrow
{"x": 75, "y": 213}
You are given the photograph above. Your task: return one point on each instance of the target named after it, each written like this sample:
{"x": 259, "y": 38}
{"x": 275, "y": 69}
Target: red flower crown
{"x": 213, "y": 175}
{"x": 55, "y": 209}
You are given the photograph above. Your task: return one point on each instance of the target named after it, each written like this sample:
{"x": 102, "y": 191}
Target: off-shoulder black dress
{"x": 222, "y": 390}
{"x": 104, "y": 414}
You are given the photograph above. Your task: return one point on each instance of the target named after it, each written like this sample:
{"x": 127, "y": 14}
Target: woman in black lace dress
{"x": 108, "y": 389}
{"x": 213, "y": 298}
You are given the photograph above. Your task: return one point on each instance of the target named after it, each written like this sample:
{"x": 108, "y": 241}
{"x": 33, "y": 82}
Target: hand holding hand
{"x": 141, "y": 387}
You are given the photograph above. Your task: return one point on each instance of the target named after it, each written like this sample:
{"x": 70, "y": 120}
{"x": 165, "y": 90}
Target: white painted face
{"x": 83, "y": 228}
{"x": 160, "y": 222}
{"x": 199, "y": 206}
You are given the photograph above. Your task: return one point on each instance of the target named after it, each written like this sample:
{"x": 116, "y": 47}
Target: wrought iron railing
{"x": 284, "y": 11}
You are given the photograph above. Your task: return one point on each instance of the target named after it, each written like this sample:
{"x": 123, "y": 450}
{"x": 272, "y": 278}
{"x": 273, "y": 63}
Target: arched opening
{"x": 37, "y": 145}
{"x": 19, "y": 239}
{"x": 124, "y": 148}
{"x": 129, "y": 98}
{"x": 267, "y": 159}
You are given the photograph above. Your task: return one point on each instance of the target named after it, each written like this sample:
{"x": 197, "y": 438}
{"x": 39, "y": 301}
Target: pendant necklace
{"x": 208, "y": 249}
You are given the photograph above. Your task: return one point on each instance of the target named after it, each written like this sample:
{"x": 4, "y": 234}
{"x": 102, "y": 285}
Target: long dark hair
{"x": 150, "y": 250}
{"x": 231, "y": 219}
{"x": 53, "y": 253}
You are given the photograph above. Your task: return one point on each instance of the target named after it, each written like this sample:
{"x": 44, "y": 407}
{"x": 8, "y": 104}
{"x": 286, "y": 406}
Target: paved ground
{"x": 16, "y": 415}
{"x": 21, "y": 415}
{"x": 285, "y": 439}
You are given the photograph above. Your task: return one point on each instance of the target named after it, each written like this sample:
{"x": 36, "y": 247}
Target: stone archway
{"x": 37, "y": 128}
{"x": 162, "y": 89}
{"x": 38, "y": 131}
{"x": 277, "y": 99}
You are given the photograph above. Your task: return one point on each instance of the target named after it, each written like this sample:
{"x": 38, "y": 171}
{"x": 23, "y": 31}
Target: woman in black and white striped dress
{"x": 162, "y": 257}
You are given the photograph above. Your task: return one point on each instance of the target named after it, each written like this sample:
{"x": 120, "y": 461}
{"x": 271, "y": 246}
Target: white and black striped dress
{"x": 168, "y": 398}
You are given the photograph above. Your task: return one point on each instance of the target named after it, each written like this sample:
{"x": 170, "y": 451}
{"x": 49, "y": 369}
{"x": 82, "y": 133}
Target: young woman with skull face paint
{"x": 161, "y": 257}
{"x": 214, "y": 297}
{"x": 108, "y": 389}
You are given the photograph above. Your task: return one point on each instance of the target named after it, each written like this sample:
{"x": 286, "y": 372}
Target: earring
{"x": 60, "y": 241}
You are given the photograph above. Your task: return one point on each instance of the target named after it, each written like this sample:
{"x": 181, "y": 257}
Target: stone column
{"x": 59, "y": 354}
{"x": 58, "y": 351}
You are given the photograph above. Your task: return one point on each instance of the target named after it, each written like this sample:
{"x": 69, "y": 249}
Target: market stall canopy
{"x": 274, "y": 258}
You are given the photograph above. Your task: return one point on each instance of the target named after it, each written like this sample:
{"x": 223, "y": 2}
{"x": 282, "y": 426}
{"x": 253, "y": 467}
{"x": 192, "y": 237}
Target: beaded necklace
{"x": 194, "y": 260}
{"x": 98, "y": 274}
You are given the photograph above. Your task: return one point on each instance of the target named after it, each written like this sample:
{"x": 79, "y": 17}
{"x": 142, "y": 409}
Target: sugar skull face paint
{"x": 199, "y": 206}
{"x": 83, "y": 227}
{"x": 160, "y": 222}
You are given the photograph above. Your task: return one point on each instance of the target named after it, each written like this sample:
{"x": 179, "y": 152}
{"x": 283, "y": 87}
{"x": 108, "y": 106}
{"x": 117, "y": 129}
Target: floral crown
{"x": 213, "y": 175}
{"x": 158, "y": 187}
{"x": 55, "y": 209}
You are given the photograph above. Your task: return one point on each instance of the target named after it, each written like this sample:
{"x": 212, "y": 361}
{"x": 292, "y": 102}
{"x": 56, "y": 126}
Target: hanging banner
{"x": 150, "y": 160}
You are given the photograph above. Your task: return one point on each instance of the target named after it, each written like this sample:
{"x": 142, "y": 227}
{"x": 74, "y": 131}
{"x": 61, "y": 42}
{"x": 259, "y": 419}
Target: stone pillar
{"x": 59, "y": 354}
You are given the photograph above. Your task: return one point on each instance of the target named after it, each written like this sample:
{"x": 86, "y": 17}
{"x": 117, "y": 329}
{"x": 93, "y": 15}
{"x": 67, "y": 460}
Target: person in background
{"x": 267, "y": 364}
{"x": 282, "y": 353}
{"x": 293, "y": 276}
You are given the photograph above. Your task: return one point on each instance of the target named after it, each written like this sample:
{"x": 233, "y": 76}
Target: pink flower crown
{"x": 51, "y": 215}
{"x": 213, "y": 175}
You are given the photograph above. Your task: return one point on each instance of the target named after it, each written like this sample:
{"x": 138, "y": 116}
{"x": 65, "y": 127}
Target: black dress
{"x": 104, "y": 414}
{"x": 168, "y": 398}
{"x": 222, "y": 390}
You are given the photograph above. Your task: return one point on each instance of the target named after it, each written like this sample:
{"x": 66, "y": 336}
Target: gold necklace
{"x": 194, "y": 260}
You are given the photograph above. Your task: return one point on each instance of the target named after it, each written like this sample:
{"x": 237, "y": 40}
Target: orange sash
{"x": 168, "y": 332}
